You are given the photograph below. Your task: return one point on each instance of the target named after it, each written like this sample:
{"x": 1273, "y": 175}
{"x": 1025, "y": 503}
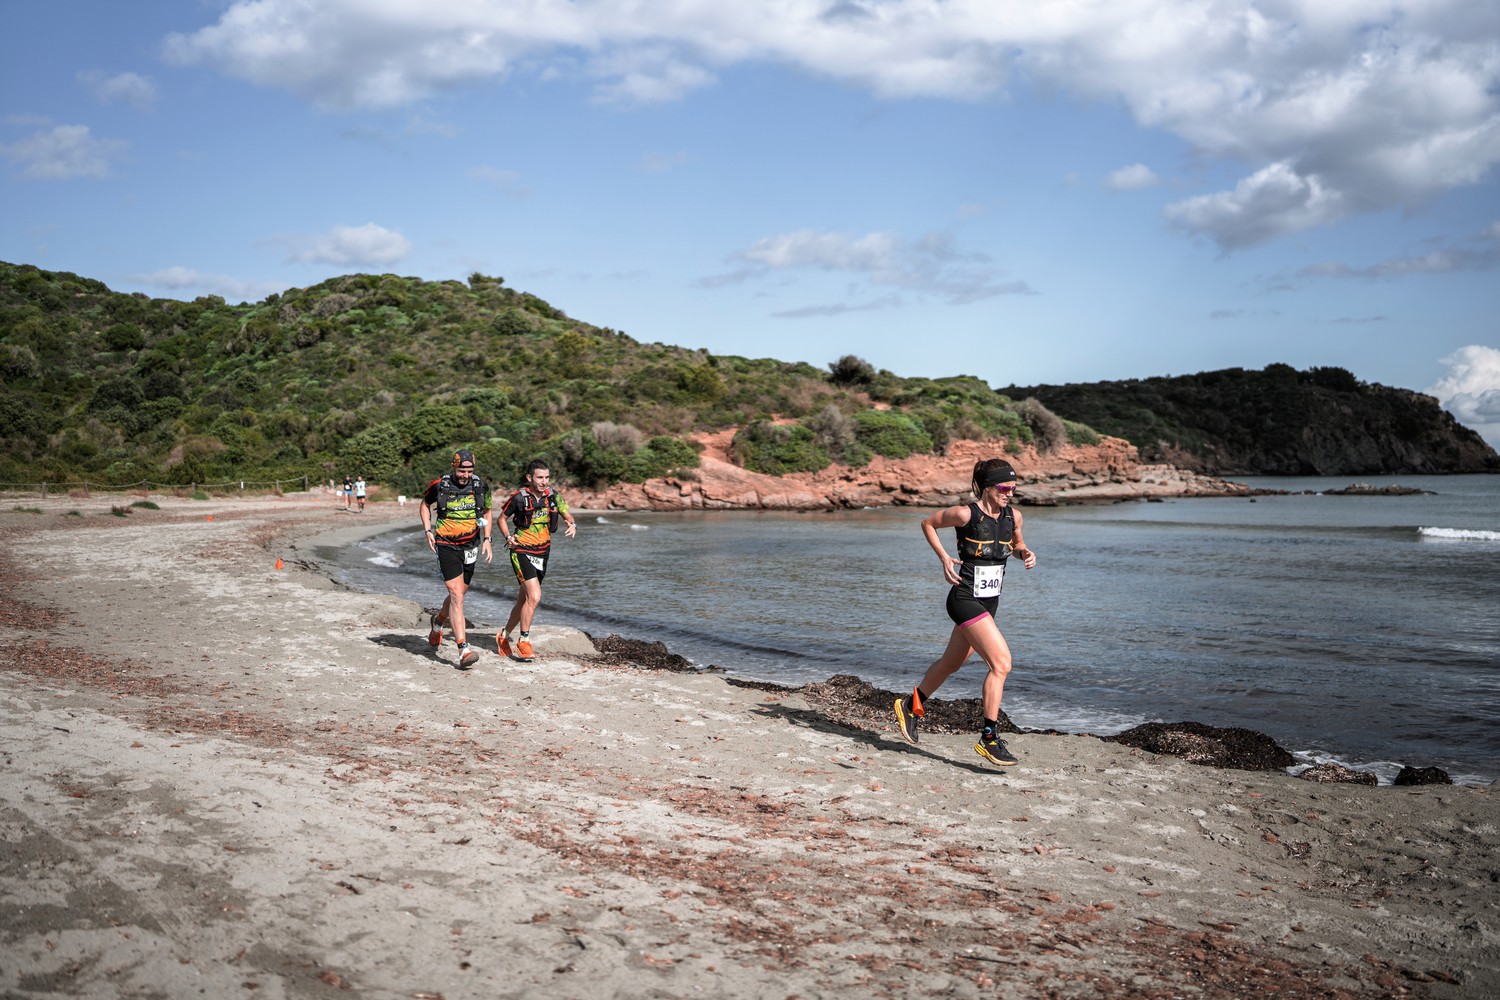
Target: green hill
{"x": 1277, "y": 421}
{"x": 384, "y": 375}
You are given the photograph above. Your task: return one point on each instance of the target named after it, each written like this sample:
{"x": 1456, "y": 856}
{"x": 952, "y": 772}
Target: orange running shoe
{"x": 435, "y": 632}
{"x": 502, "y": 644}
{"x": 524, "y": 652}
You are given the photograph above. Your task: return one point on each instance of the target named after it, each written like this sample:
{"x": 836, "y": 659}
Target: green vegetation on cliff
{"x": 1277, "y": 421}
{"x": 383, "y": 375}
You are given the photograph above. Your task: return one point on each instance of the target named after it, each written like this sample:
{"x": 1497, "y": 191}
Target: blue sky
{"x": 1026, "y": 192}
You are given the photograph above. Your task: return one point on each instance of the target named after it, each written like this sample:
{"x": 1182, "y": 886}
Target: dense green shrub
{"x": 777, "y": 449}
{"x": 1082, "y": 435}
{"x": 117, "y": 391}
{"x": 379, "y": 453}
{"x": 124, "y": 337}
{"x": 670, "y": 454}
{"x": 18, "y": 361}
{"x": 892, "y": 434}
{"x": 610, "y": 453}
{"x": 851, "y": 371}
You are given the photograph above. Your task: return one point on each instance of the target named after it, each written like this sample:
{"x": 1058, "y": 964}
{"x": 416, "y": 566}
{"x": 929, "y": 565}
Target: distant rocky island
{"x": 1274, "y": 422}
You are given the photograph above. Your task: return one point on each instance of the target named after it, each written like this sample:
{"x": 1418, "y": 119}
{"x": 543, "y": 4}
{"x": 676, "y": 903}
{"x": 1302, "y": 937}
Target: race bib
{"x": 987, "y": 580}
{"x": 471, "y": 555}
{"x": 537, "y": 562}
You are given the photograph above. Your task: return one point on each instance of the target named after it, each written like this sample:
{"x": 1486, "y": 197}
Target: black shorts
{"x": 965, "y": 609}
{"x": 458, "y": 560}
{"x": 529, "y": 566}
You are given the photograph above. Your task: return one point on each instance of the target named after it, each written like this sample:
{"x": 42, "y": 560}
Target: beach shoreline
{"x": 219, "y": 772}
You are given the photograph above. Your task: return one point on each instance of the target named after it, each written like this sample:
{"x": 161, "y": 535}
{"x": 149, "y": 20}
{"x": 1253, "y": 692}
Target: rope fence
{"x": 298, "y": 484}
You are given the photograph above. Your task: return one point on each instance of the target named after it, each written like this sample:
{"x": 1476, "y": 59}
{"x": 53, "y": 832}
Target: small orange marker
{"x": 209, "y": 518}
{"x": 278, "y": 563}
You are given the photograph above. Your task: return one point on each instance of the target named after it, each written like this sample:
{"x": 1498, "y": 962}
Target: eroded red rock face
{"x": 1108, "y": 470}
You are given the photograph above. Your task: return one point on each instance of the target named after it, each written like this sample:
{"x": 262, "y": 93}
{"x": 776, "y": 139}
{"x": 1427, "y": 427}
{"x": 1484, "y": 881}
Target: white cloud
{"x": 930, "y": 265}
{"x": 647, "y": 76}
{"x": 1273, "y": 202}
{"x": 1331, "y": 107}
{"x": 63, "y": 152}
{"x": 179, "y": 280}
{"x": 350, "y": 246}
{"x": 122, "y": 88}
{"x": 1471, "y": 390}
{"x": 1132, "y": 178}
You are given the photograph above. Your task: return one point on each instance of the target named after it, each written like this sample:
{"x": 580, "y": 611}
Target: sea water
{"x": 1359, "y": 629}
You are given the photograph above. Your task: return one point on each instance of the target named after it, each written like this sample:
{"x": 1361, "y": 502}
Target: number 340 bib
{"x": 988, "y": 580}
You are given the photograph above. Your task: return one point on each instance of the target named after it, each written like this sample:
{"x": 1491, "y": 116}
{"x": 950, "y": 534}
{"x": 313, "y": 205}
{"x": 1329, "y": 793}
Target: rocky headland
{"x": 1110, "y": 470}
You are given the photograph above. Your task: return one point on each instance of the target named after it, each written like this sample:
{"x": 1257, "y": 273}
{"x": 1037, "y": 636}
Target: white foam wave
{"x": 640, "y": 527}
{"x": 601, "y": 519}
{"x": 1460, "y": 534}
{"x": 386, "y": 559}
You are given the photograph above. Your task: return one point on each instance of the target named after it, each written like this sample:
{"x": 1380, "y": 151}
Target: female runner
{"x": 989, "y": 531}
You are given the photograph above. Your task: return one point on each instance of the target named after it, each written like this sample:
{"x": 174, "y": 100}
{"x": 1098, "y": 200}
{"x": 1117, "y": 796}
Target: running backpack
{"x": 476, "y": 486}
{"x": 524, "y": 512}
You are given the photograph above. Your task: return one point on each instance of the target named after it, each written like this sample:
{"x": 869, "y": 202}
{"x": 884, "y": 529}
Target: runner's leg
{"x": 943, "y": 667}
{"x": 526, "y": 603}
{"x": 995, "y": 651}
{"x": 453, "y": 607}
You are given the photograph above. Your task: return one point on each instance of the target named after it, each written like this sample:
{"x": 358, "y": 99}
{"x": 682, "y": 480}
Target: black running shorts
{"x": 458, "y": 560}
{"x": 529, "y": 566}
{"x": 965, "y": 609}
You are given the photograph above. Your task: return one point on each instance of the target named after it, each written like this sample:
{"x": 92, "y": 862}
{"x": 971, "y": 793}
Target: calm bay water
{"x": 1359, "y": 629}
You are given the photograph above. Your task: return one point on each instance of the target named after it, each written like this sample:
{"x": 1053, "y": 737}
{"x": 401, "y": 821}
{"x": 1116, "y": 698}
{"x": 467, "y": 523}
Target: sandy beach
{"x": 223, "y": 778}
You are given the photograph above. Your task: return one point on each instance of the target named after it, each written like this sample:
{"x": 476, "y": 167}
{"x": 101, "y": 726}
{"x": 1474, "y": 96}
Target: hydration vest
{"x": 447, "y": 487}
{"x": 523, "y": 505}
{"x": 976, "y": 543}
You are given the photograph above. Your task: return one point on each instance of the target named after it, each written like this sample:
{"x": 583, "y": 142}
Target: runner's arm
{"x": 426, "y": 511}
{"x": 1018, "y": 545}
{"x": 487, "y": 532}
{"x": 948, "y": 517}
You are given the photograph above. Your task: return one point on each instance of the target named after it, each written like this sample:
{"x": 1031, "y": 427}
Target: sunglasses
{"x": 1006, "y": 488}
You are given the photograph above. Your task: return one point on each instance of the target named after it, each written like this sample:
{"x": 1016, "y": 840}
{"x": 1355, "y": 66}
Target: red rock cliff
{"x": 1108, "y": 470}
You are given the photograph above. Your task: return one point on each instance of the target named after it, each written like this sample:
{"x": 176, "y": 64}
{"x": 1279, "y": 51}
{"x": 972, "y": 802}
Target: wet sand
{"x": 227, "y": 779}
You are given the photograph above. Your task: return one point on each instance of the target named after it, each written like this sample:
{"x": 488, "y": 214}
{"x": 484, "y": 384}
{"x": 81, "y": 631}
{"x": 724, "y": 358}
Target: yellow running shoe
{"x": 907, "y": 712}
{"x": 992, "y": 749}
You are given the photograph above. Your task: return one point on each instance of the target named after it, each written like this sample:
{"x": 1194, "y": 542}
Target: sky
{"x": 1047, "y": 191}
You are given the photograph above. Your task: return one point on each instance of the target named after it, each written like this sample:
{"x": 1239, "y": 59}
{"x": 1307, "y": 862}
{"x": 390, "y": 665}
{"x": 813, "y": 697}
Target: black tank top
{"x": 984, "y": 541}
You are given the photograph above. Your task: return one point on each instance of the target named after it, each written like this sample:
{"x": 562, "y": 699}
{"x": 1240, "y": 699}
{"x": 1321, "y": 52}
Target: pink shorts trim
{"x": 971, "y": 621}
